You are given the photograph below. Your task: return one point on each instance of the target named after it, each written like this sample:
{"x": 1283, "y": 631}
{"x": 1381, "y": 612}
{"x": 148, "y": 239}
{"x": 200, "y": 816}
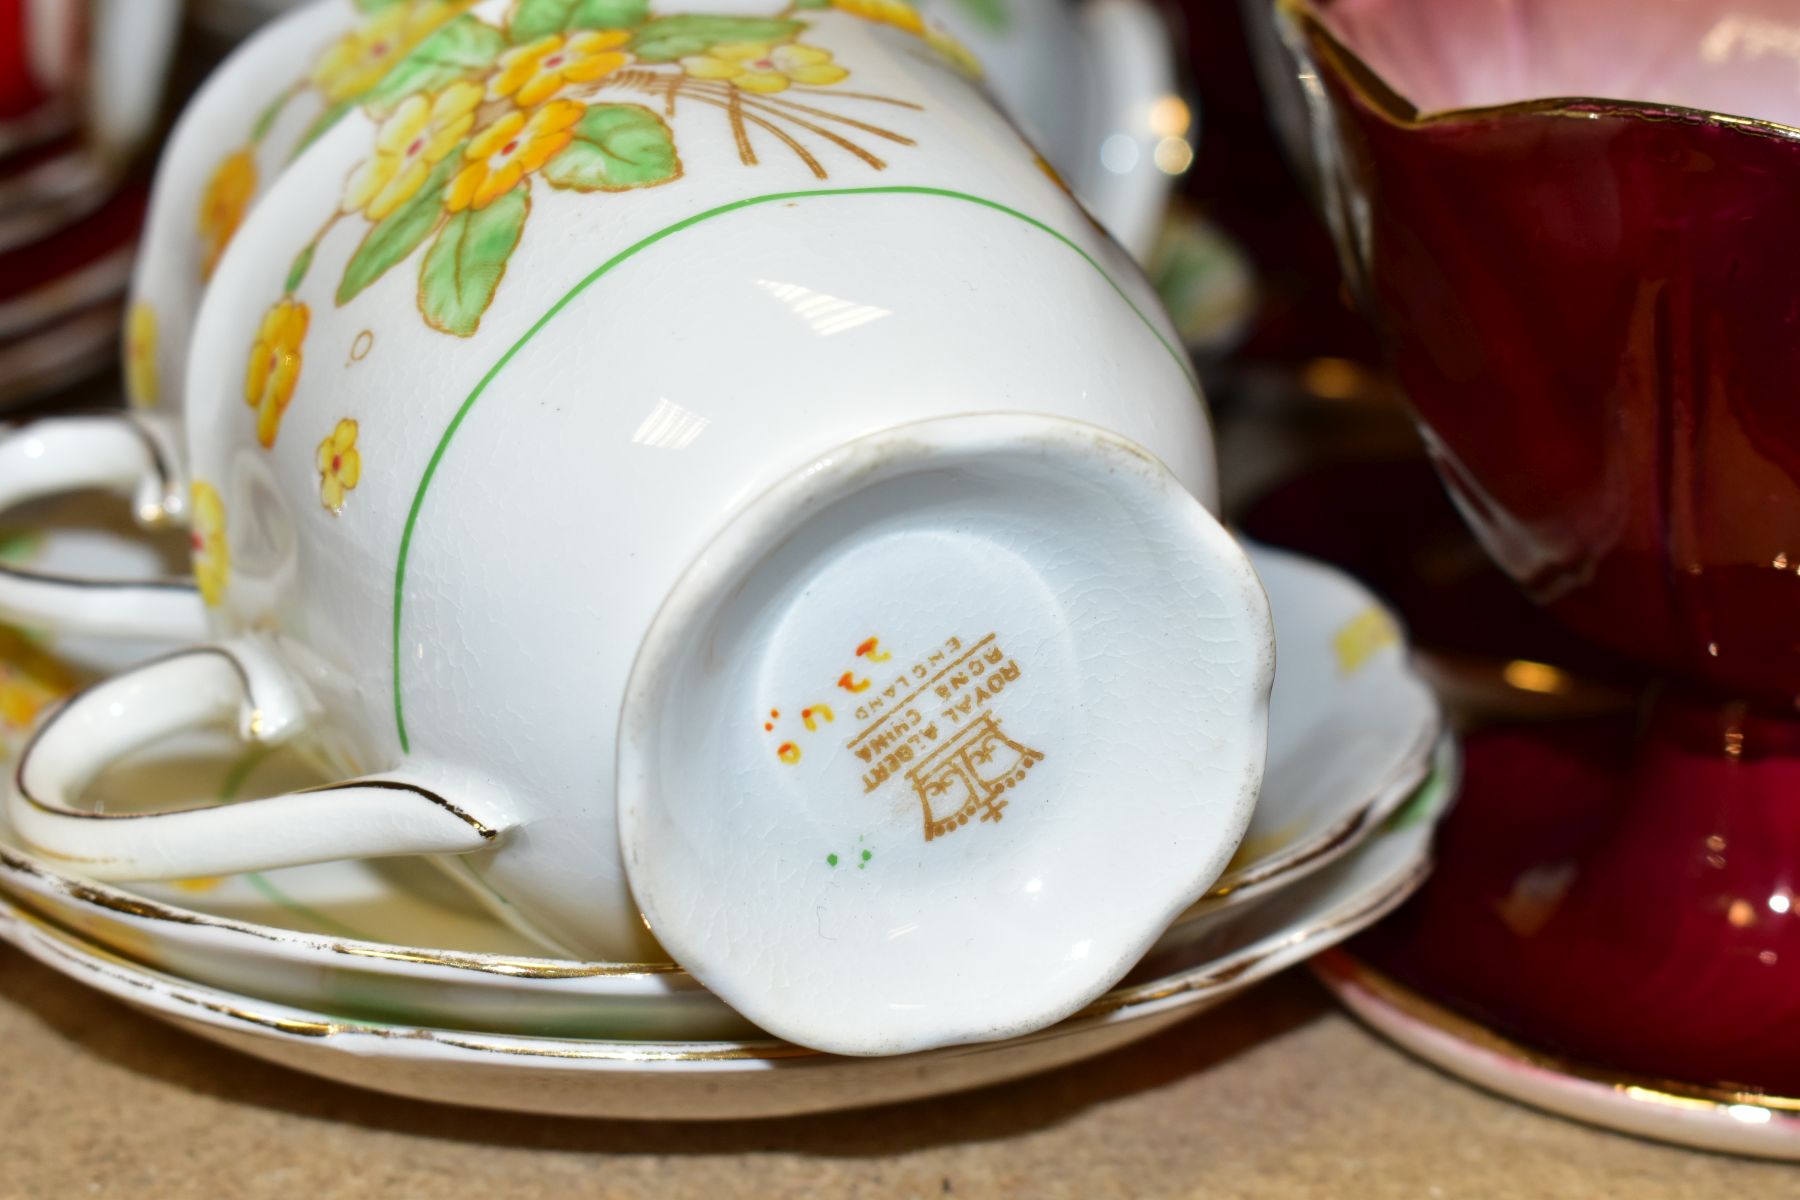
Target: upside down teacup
{"x": 299, "y": 76}
{"x": 263, "y": 106}
{"x": 709, "y": 481}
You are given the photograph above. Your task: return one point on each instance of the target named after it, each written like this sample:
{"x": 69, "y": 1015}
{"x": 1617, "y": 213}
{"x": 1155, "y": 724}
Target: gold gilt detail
{"x": 1374, "y": 92}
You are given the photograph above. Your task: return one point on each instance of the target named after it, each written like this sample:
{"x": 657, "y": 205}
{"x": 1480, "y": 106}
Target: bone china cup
{"x": 707, "y": 477}
{"x": 301, "y": 74}
{"x": 268, "y": 100}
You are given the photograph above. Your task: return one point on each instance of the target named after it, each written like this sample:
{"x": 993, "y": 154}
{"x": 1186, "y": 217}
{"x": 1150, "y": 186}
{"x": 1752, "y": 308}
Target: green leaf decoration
{"x": 320, "y": 127}
{"x": 375, "y": 6}
{"x": 991, "y": 15}
{"x": 669, "y": 38}
{"x": 461, "y": 48}
{"x": 463, "y": 268}
{"x": 616, "y": 146}
{"x": 812, "y": 3}
{"x": 266, "y": 119}
{"x": 302, "y": 264}
{"x": 400, "y": 233}
{"x": 533, "y": 19}
{"x": 19, "y": 547}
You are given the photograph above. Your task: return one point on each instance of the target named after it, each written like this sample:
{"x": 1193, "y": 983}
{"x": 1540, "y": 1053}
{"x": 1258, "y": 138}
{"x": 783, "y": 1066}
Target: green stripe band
{"x": 437, "y": 455}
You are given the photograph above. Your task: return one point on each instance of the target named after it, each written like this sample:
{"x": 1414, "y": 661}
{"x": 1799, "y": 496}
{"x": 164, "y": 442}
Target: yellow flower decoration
{"x": 510, "y": 149}
{"x": 359, "y": 59}
{"x": 274, "y": 367}
{"x": 897, "y": 13}
{"x": 764, "y": 67}
{"x": 140, "y": 355}
{"x": 211, "y": 552}
{"x": 953, "y": 52}
{"x": 536, "y": 71}
{"x": 902, "y": 15}
{"x": 30, "y": 680}
{"x": 340, "y": 465}
{"x": 223, "y": 205}
{"x": 420, "y": 134}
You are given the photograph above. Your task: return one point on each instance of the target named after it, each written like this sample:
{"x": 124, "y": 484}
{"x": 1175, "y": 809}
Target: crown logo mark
{"x": 969, "y": 775}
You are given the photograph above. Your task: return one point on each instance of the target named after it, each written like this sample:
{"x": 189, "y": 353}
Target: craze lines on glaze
{"x": 1176, "y": 357}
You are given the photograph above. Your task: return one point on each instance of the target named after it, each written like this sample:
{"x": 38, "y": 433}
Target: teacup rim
{"x": 1393, "y": 793}
{"x": 1252, "y": 880}
{"x": 1391, "y": 105}
{"x": 1210, "y": 979}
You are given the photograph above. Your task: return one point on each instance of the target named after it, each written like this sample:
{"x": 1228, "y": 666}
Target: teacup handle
{"x": 196, "y": 688}
{"x": 112, "y": 452}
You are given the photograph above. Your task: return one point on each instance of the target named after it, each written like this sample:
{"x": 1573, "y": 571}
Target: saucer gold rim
{"x": 1258, "y": 878}
{"x": 69, "y": 900}
{"x": 115, "y": 900}
{"x": 1341, "y": 970}
{"x": 1380, "y": 97}
{"x": 1247, "y": 885}
{"x": 1193, "y": 986}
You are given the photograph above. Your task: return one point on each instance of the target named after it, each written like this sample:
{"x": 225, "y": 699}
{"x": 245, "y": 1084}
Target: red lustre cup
{"x": 37, "y": 43}
{"x": 1593, "y": 305}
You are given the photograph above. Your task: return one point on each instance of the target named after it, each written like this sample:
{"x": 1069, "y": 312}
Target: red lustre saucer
{"x": 1617, "y": 890}
{"x": 1728, "y": 1120}
{"x": 1598, "y": 894}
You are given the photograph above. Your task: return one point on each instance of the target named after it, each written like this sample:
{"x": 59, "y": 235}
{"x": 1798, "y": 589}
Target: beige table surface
{"x": 1276, "y": 1094}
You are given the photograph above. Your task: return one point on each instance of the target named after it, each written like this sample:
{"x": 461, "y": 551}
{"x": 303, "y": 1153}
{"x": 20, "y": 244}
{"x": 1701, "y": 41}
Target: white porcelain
{"x": 1133, "y": 763}
{"x": 1094, "y": 85}
{"x": 133, "y": 42}
{"x": 743, "y": 466}
{"x": 236, "y": 136}
{"x": 723, "y": 1080}
{"x": 1721, "y": 1120}
{"x": 1351, "y": 725}
{"x": 1350, "y": 733}
{"x": 1141, "y": 130}
{"x": 34, "y": 467}
{"x": 237, "y": 133}
{"x": 1081, "y": 80}
{"x": 74, "y": 537}
{"x": 1072, "y": 73}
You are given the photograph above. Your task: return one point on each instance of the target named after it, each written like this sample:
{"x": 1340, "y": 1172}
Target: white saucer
{"x": 743, "y": 1079}
{"x": 1351, "y": 729}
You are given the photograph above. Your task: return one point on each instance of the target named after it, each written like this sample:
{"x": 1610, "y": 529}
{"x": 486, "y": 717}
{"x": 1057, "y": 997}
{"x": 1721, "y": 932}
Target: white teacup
{"x": 294, "y": 78}
{"x": 241, "y": 130}
{"x": 775, "y": 501}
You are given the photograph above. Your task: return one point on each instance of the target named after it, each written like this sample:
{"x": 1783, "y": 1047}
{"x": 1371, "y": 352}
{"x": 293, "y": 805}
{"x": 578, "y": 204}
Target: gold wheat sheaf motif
{"x": 774, "y": 115}
{"x": 473, "y": 122}
{"x": 969, "y": 775}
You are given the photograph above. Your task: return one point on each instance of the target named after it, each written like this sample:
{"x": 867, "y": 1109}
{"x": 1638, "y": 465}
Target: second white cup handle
{"x": 197, "y": 688}
{"x": 113, "y": 452}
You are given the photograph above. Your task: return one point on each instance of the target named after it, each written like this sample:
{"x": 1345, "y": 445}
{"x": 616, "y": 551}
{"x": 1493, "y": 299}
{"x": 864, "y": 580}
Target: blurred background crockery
{"x": 1361, "y": 422}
